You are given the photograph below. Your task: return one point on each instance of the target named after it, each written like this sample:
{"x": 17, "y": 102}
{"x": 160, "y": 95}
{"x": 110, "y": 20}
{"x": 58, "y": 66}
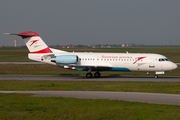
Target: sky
{"x": 89, "y": 22}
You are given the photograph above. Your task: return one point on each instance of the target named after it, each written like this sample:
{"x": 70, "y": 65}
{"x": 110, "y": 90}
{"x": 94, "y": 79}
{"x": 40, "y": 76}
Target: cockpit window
{"x": 163, "y": 59}
{"x": 166, "y": 59}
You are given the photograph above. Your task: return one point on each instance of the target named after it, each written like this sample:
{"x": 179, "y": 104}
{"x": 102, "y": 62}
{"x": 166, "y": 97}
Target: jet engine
{"x": 65, "y": 59}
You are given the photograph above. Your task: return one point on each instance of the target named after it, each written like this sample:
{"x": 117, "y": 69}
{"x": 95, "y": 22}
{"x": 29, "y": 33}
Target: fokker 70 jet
{"x": 84, "y": 61}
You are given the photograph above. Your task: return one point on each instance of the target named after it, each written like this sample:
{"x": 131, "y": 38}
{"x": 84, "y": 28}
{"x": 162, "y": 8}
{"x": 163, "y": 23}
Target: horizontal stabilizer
{"x": 22, "y": 35}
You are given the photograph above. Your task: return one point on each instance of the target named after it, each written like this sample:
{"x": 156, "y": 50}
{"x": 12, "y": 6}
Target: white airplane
{"x": 88, "y": 61}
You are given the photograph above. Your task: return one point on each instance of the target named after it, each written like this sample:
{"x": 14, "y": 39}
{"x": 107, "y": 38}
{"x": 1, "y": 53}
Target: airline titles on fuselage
{"x": 116, "y": 57}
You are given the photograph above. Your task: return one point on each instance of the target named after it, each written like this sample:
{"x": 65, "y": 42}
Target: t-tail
{"x": 39, "y": 51}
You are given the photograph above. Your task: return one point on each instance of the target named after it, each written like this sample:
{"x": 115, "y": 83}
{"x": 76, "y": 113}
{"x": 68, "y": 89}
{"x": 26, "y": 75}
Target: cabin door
{"x": 151, "y": 63}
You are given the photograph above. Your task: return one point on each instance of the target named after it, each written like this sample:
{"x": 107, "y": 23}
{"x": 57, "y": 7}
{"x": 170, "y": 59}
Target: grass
{"x": 123, "y": 86}
{"x": 14, "y": 54}
{"x": 45, "y": 69}
{"x": 21, "y": 106}
{"x": 20, "y": 54}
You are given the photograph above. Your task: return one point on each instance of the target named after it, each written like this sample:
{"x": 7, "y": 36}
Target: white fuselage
{"x": 116, "y": 61}
{"x": 39, "y": 51}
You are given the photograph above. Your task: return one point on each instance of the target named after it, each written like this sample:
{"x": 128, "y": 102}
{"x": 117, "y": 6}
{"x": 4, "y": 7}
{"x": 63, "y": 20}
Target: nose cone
{"x": 173, "y": 66}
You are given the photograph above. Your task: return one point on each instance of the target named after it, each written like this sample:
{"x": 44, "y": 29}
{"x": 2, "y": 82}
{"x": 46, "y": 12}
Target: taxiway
{"x": 157, "y": 98}
{"x": 83, "y": 78}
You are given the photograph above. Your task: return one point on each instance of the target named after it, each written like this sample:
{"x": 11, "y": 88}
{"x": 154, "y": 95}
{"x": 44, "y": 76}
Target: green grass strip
{"x": 124, "y": 86}
{"x": 21, "y": 106}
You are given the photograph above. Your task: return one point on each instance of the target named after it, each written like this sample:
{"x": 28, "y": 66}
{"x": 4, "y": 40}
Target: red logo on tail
{"x": 34, "y": 42}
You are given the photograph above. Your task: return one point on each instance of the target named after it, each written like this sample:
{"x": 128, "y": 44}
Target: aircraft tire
{"x": 89, "y": 75}
{"x": 97, "y": 75}
{"x": 156, "y": 76}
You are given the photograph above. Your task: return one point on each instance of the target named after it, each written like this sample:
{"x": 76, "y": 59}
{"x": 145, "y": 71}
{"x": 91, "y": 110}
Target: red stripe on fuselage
{"x": 46, "y": 50}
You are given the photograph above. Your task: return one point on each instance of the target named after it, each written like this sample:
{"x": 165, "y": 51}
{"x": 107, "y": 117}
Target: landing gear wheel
{"x": 89, "y": 75}
{"x": 156, "y": 76}
{"x": 97, "y": 74}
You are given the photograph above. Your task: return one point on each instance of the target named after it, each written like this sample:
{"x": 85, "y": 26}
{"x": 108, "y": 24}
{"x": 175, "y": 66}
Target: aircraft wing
{"x": 90, "y": 66}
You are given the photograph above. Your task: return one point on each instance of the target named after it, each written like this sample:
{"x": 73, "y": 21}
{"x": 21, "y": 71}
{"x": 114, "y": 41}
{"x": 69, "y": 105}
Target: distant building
{"x": 15, "y": 42}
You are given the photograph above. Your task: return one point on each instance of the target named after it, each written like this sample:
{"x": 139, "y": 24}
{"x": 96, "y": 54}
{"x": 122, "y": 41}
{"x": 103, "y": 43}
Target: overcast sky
{"x": 91, "y": 22}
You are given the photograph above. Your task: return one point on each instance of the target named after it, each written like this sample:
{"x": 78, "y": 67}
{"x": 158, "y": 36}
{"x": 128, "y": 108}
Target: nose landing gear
{"x": 156, "y": 76}
{"x": 157, "y": 73}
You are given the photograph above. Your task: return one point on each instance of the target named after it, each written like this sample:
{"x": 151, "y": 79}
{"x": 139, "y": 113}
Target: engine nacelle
{"x": 65, "y": 59}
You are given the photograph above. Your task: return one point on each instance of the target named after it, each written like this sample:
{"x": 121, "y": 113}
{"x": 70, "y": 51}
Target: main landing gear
{"x": 89, "y": 75}
{"x": 96, "y": 75}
